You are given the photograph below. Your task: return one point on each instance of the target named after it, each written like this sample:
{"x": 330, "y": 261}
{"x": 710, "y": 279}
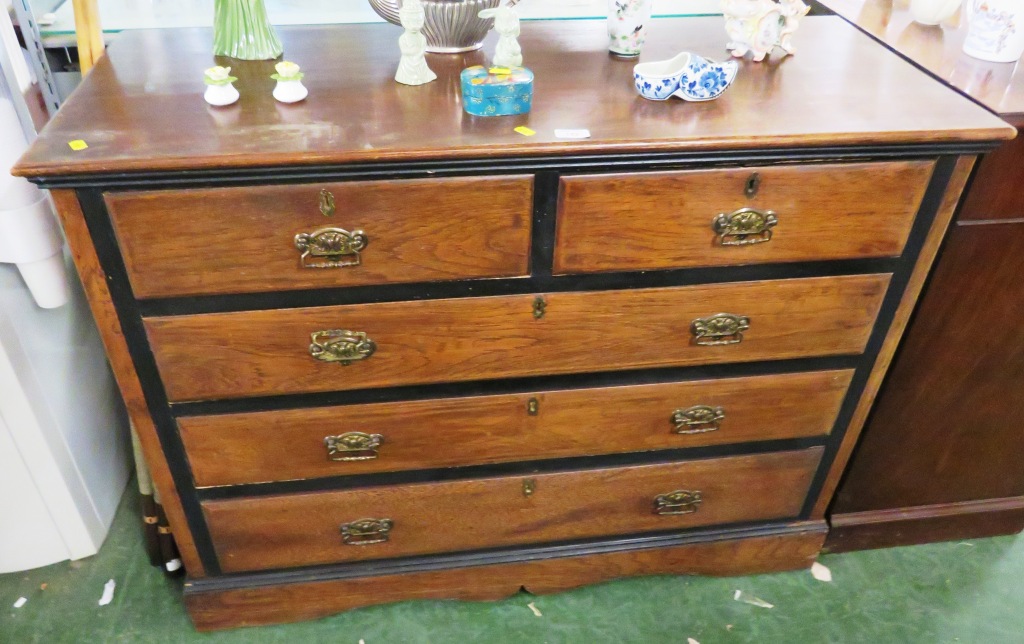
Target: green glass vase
{"x": 241, "y": 30}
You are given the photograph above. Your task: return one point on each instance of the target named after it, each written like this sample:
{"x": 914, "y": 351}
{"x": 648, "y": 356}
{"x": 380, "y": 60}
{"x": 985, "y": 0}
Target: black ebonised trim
{"x": 511, "y": 469}
{"x": 513, "y": 386}
{"x": 542, "y": 242}
{"x": 580, "y": 548}
{"x": 573, "y": 164}
{"x": 106, "y": 246}
{"x": 542, "y": 282}
{"x": 922, "y": 225}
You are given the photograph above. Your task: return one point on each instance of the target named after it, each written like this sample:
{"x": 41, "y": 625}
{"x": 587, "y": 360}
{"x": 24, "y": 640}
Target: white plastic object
{"x": 932, "y": 12}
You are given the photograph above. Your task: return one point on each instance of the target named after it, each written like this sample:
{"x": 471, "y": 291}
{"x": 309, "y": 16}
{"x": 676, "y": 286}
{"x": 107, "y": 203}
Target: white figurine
{"x": 759, "y": 26}
{"x": 412, "y": 69}
{"x": 219, "y": 90}
{"x": 289, "y": 88}
{"x": 508, "y": 53}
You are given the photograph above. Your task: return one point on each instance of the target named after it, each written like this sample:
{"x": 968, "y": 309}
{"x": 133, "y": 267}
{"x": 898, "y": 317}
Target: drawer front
{"x": 359, "y": 439}
{"x": 284, "y": 351}
{"x": 304, "y": 529}
{"x": 229, "y": 240}
{"x": 667, "y": 220}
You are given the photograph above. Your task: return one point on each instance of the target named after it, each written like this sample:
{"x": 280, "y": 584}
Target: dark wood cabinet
{"x": 941, "y": 455}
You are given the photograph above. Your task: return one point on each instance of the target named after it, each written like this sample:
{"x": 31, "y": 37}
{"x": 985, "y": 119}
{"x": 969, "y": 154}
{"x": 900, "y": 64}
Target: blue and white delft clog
{"x": 688, "y": 76}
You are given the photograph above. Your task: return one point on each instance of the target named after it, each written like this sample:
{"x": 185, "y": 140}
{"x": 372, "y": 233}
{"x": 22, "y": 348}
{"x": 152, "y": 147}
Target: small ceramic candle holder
{"x": 219, "y": 90}
{"x": 289, "y": 87}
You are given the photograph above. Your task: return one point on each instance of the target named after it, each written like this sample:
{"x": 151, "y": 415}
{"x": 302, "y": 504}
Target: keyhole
{"x": 752, "y": 186}
{"x": 529, "y": 487}
{"x": 532, "y": 407}
{"x": 326, "y": 203}
{"x": 539, "y": 307}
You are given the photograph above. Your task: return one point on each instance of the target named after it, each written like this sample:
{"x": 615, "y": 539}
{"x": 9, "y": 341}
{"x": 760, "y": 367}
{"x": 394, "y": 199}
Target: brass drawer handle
{"x": 365, "y": 532}
{"x": 341, "y": 346}
{"x": 331, "y": 248}
{"x": 353, "y": 446}
{"x": 718, "y": 329}
{"x": 744, "y": 227}
{"x": 678, "y": 502}
{"x": 699, "y": 419}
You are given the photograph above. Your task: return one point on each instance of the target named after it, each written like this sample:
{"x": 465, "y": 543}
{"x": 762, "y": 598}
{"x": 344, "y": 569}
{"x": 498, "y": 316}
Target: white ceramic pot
{"x": 932, "y": 12}
{"x": 291, "y": 91}
{"x": 627, "y": 26}
{"x": 220, "y": 95}
{"x": 996, "y": 30}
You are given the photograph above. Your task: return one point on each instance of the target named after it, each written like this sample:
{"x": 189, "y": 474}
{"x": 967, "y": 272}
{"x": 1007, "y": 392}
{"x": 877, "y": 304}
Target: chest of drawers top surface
{"x": 141, "y": 107}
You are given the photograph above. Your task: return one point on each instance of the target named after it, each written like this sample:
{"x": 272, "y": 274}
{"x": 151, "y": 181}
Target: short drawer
{"x": 382, "y": 522}
{"x": 359, "y": 346}
{"x": 267, "y": 238}
{"x": 359, "y": 439}
{"x": 626, "y": 222}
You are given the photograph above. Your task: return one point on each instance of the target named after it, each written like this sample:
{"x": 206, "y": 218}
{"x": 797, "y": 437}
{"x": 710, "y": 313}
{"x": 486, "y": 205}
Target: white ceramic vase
{"x": 932, "y": 12}
{"x": 627, "y": 26}
{"x": 290, "y": 91}
{"x": 220, "y": 95}
{"x": 996, "y": 30}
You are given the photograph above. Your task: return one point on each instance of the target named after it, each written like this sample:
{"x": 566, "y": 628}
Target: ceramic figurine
{"x": 627, "y": 26}
{"x": 413, "y": 70}
{"x": 219, "y": 90}
{"x": 932, "y": 12}
{"x": 508, "y": 53}
{"x": 289, "y": 88}
{"x": 759, "y": 26}
{"x": 241, "y": 29}
{"x": 687, "y": 76}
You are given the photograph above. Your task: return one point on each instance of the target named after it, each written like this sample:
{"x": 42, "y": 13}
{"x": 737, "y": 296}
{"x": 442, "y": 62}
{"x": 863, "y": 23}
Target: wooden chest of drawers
{"x": 379, "y": 350}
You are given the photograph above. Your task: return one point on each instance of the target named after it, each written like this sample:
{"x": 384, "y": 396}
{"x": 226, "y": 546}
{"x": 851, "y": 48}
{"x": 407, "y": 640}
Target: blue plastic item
{"x": 497, "y": 91}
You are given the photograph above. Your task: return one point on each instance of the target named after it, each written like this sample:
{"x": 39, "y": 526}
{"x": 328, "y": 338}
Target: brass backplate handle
{"x": 353, "y": 446}
{"x": 365, "y": 532}
{"x": 699, "y": 419}
{"x": 678, "y": 502}
{"x": 331, "y": 248}
{"x": 744, "y": 227}
{"x": 342, "y": 346}
{"x": 719, "y": 329}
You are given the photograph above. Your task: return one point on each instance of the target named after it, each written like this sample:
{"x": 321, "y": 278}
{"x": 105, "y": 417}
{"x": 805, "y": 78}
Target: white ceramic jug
{"x": 996, "y": 30}
{"x": 932, "y": 12}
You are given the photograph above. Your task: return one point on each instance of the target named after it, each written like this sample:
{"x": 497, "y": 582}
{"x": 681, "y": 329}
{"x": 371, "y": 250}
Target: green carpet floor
{"x": 951, "y": 592}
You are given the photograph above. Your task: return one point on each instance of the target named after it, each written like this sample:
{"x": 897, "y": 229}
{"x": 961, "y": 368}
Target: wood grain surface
{"x": 136, "y": 112}
{"x": 920, "y": 273}
{"x": 664, "y": 219}
{"x": 286, "y": 445}
{"x": 949, "y": 423}
{"x": 995, "y": 192}
{"x": 271, "y": 604}
{"x": 301, "y": 529}
{"x": 94, "y": 281}
{"x": 939, "y": 49}
{"x": 254, "y": 353}
{"x": 228, "y": 240}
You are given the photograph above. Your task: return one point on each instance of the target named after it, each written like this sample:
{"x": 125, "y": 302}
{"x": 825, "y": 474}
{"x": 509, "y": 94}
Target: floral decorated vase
{"x": 686, "y": 76}
{"x": 757, "y": 27}
{"x": 627, "y": 26}
{"x": 995, "y": 30}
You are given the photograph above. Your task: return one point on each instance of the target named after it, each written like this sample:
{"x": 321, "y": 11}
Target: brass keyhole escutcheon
{"x": 752, "y": 186}
{"x": 533, "y": 406}
{"x": 326, "y": 202}
{"x": 539, "y": 307}
{"x": 529, "y": 487}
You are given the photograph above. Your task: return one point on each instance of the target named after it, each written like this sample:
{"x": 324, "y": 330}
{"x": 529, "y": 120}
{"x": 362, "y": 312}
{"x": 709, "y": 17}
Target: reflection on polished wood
{"x": 939, "y": 49}
{"x": 141, "y": 111}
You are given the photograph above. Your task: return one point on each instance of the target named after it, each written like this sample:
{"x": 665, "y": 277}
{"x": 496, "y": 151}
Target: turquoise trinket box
{"x": 497, "y": 91}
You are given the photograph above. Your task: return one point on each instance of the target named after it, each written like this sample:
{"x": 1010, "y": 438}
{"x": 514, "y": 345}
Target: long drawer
{"x": 266, "y": 238}
{"x": 402, "y": 343}
{"x": 381, "y": 522}
{"x": 358, "y": 439}
{"x": 739, "y": 216}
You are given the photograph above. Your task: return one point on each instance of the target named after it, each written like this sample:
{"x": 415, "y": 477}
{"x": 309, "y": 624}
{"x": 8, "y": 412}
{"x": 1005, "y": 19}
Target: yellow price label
{"x": 77, "y": 145}
{"x": 499, "y": 70}
{"x": 525, "y": 131}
